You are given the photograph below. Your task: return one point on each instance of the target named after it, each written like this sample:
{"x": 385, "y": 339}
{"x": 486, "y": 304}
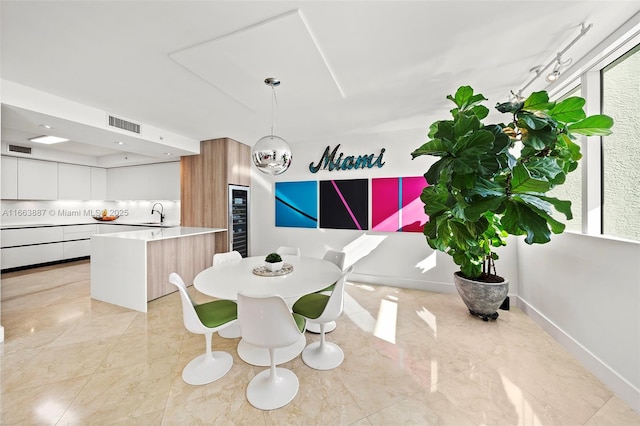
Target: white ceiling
{"x": 196, "y": 68}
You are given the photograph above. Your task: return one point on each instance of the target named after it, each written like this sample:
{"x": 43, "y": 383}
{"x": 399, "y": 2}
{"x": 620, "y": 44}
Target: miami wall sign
{"x": 332, "y": 160}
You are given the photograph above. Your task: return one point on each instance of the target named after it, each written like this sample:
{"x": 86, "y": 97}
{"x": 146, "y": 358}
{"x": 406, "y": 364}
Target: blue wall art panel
{"x": 344, "y": 204}
{"x": 297, "y": 204}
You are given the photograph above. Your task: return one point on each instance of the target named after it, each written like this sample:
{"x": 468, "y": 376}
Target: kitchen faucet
{"x": 161, "y": 211}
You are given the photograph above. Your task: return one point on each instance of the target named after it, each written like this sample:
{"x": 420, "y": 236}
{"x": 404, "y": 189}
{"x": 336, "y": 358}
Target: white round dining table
{"x": 225, "y": 280}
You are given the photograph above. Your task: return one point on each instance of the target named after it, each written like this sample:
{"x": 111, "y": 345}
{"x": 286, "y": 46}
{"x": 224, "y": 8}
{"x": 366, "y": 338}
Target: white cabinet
{"x": 9, "y": 178}
{"x": 31, "y": 255}
{"x": 32, "y": 246}
{"x": 98, "y": 183}
{"x": 74, "y": 182}
{"x": 37, "y": 180}
{"x": 26, "y": 236}
{"x": 147, "y": 182}
{"x": 78, "y": 232}
{"x": 123, "y": 183}
{"x": 75, "y": 249}
{"x": 170, "y": 181}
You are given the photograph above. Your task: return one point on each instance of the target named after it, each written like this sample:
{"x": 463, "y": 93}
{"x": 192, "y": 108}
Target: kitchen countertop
{"x": 160, "y": 233}
{"x": 46, "y": 225}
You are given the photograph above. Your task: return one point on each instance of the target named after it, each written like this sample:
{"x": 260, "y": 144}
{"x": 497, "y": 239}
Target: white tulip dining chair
{"x": 288, "y": 251}
{"x": 320, "y": 308}
{"x": 206, "y": 318}
{"x": 267, "y": 322}
{"x": 232, "y": 332}
{"x": 336, "y": 257}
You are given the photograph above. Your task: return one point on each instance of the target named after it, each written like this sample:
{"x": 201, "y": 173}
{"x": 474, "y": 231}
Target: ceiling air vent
{"x": 124, "y": 124}
{"x": 20, "y": 149}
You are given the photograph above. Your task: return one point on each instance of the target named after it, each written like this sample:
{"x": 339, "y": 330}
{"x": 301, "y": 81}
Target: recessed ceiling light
{"x": 167, "y": 153}
{"x": 46, "y": 126}
{"x": 48, "y": 139}
{"x": 119, "y": 143}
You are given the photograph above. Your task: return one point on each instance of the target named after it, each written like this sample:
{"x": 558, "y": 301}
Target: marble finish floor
{"x": 411, "y": 358}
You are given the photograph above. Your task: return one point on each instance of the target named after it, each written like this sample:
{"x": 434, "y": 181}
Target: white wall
{"x": 397, "y": 259}
{"x": 585, "y": 292}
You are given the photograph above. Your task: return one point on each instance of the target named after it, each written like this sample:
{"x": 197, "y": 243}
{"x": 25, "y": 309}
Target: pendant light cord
{"x": 274, "y": 99}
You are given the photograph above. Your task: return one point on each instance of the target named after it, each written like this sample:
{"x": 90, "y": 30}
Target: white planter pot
{"x": 273, "y": 267}
{"x": 482, "y": 299}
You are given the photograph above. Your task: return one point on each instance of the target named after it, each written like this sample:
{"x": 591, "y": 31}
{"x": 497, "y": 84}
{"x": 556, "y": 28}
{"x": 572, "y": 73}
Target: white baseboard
{"x": 403, "y": 283}
{"x": 1, "y": 334}
{"x": 621, "y": 387}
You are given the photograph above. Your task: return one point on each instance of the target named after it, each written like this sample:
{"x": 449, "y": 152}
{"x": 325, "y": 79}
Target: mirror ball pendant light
{"x": 271, "y": 154}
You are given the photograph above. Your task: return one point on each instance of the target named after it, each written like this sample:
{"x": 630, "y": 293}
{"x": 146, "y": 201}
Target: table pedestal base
{"x": 260, "y": 356}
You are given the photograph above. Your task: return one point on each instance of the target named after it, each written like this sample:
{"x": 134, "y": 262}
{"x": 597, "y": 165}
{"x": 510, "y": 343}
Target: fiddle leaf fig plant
{"x": 491, "y": 180}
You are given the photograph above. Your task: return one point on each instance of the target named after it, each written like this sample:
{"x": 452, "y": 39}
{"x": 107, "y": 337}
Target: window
{"x": 572, "y": 188}
{"x": 621, "y": 150}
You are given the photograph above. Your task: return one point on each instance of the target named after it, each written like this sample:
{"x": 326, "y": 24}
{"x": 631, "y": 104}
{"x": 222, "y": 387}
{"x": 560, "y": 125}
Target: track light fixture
{"x": 557, "y": 62}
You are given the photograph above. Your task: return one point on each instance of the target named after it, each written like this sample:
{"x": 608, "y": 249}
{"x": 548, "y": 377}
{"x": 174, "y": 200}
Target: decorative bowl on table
{"x": 105, "y": 218}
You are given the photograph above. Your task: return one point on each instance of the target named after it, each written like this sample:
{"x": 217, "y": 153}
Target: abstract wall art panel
{"x": 413, "y": 215}
{"x": 396, "y": 205}
{"x": 344, "y": 204}
{"x": 385, "y": 204}
{"x": 297, "y": 204}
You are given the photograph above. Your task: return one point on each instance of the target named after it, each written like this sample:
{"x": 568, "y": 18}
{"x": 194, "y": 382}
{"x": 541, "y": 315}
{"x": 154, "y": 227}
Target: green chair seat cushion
{"x": 311, "y": 305}
{"x": 218, "y": 312}
{"x": 301, "y": 321}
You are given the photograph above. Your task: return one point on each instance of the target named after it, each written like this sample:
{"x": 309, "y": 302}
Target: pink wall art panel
{"x": 396, "y": 205}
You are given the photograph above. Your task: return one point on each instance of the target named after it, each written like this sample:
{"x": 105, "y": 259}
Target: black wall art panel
{"x": 344, "y": 204}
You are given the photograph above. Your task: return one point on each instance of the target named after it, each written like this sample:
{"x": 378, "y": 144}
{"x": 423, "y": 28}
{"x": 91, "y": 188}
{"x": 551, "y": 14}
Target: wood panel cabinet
{"x": 204, "y": 183}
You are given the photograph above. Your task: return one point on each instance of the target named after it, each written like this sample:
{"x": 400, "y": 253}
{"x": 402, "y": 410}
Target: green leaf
{"x": 544, "y": 168}
{"x": 435, "y": 200}
{"x": 522, "y": 182}
{"x": 462, "y": 95}
{"x": 436, "y": 147}
{"x": 481, "y": 205}
{"x": 520, "y": 219}
{"x": 511, "y": 107}
{"x": 538, "y": 101}
{"x": 465, "y": 124}
{"x": 436, "y": 170}
{"x": 532, "y": 121}
{"x": 569, "y": 110}
{"x": 594, "y": 125}
{"x": 539, "y": 139}
{"x": 562, "y": 206}
{"x": 475, "y": 145}
{"x": 465, "y": 98}
{"x": 480, "y": 111}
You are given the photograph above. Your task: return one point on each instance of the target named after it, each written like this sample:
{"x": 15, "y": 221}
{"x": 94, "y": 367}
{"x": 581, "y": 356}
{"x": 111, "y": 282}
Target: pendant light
{"x": 271, "y": 154}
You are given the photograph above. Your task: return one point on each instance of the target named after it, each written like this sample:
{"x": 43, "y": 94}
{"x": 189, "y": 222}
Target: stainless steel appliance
{"x": 239, "y": 219}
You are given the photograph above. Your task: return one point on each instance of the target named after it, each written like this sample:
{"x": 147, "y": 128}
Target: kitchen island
{"x": 131, "y": 268}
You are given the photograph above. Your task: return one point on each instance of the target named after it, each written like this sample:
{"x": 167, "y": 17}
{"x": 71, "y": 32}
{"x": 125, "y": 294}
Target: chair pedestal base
{"x": 314, "y": 327}
{"x": 231, "y": 332}
{"x": 260, "y": 356}
{"x": 202, "y": 369}
{"x": 322, "y": 357}
{"x": 268, "y": 393}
